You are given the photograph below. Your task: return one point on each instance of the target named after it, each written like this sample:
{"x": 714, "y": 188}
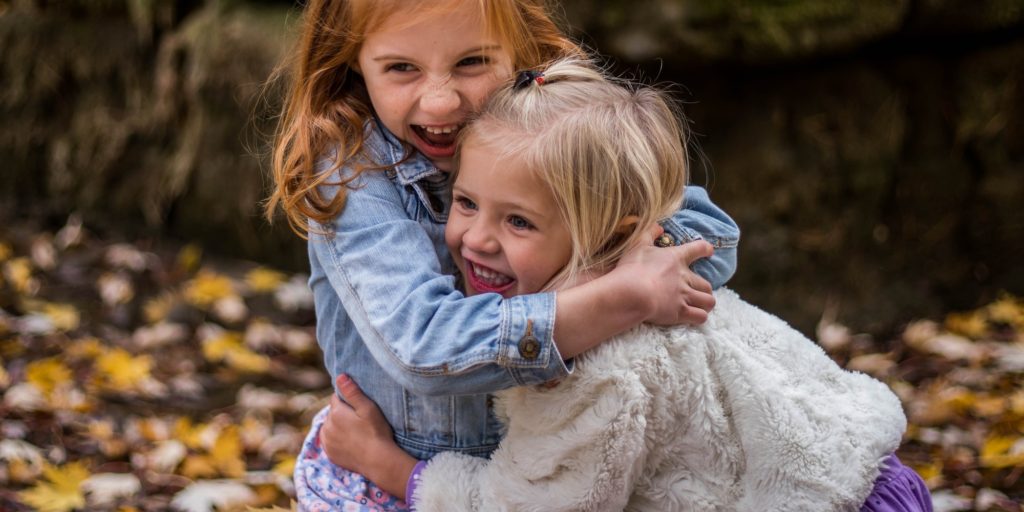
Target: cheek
{"x": 453, "y": 236}
{"x": 483, "y": 88}
{"x": 535, "y": 265}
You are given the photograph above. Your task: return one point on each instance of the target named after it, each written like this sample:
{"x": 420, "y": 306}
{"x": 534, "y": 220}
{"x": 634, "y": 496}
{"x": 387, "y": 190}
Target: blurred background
{"x": 871, "y": 151}
{"x": 156, "y": 339}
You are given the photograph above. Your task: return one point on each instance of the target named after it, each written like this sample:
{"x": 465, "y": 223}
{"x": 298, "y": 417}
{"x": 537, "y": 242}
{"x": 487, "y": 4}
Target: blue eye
{"x": 465, "y": 203}
{"x": 518, "y": 222}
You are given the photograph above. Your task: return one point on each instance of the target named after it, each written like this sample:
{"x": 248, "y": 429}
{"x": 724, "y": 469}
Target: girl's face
{"x": 504, "y": 230}
{"x": 427, "y": 74}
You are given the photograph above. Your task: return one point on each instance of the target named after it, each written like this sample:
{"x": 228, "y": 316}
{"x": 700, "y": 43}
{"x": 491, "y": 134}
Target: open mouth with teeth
{"x": 484, "y": 279}
{"x": 438, "y": 141}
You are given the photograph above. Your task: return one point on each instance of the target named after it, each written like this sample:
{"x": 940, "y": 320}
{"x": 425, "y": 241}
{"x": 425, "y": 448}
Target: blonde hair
{"x": 613, "y": 154}
{"x": 327, "y": 103}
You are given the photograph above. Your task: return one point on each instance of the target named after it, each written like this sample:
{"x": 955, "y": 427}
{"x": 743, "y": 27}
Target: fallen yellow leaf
{"x": 286, "y": 467}
{"x": 189, "y": 258}
{"x": 216, "y": 348}
{"x": 61, "y": 493}
{"x": 245, "y": 360}
{"x": 198, "y": 466}
{"x": 930, "y": 473}
{"x": 1002, "y": 452}
{"x": 264, "y": 280}
{"x": 207, "y": 288}
{"x": 22, "y": 471}
{"x": 274, "y": 508}
{"x": 226, "y": 453}
{"x": 972, "y": 325}
{"x": 227, "y": 347}
{"x": 85, "y": 348}
{"x": 185, "y": 432}
{"x": 1009, "y": 310}
{"x": 65, "y": 317}
{"x": 157, "y": 308}
{"x": 121, "y": 371}
{"x": 989, "y": 406}
{"x": 18, "y": 272}
{"x": 47, "y": 374}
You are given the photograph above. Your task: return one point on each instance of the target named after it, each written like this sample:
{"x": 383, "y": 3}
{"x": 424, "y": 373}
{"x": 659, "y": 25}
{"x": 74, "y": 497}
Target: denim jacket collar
{"x": 408, "y": 170}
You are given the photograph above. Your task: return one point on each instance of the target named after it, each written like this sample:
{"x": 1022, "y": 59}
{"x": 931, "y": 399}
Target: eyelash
{"x": 514, "y": 218}
{"x": 405, "y": 67}
{"x": 398, "y": 67}
{"x": 476, "y": 60}
{"x": 465, "y": 203}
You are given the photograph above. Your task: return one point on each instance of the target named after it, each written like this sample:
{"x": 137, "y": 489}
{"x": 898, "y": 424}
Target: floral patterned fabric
{"x": 323, "y": 487}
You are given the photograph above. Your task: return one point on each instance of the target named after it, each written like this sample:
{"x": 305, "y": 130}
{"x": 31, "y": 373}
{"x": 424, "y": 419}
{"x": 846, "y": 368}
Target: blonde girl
{"x": 380, "y": 90}
{"x": 743, "y": 413}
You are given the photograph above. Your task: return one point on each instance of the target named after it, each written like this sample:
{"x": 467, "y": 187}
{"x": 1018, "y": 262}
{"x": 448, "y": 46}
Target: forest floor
{"x": 134, "y": 376}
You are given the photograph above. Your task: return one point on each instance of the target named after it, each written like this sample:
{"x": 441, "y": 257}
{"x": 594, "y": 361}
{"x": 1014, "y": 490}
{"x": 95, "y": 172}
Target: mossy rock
{"x": 766, "y": 31}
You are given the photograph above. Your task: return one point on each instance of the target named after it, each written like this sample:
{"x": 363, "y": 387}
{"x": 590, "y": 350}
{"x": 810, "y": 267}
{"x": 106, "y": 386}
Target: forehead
{"x": 499, "y": 174}
{"x": 397, "y": 15}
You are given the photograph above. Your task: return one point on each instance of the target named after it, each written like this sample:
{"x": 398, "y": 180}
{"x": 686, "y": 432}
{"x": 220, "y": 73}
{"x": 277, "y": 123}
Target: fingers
{"x": 694, "y": 316}
{"x": 654, "y": 231}
{"x": 693, "y": 251}
{"x": 353, "y": 395}
{"x": 700, "y": 284}
{"x": 703, "y": 301}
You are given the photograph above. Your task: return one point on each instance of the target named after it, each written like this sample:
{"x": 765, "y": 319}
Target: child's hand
{"x": 677, "y": 294}
{"x": 356, "y": 436}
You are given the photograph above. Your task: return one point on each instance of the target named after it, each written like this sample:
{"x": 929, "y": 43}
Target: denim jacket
{"x": 389, "y": 313}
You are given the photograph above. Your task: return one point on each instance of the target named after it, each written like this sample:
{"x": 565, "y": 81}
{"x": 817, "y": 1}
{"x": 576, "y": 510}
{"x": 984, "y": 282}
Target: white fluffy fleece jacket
{"x": 743, "y": 413}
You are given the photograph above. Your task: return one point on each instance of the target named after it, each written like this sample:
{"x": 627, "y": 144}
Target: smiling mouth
{"x": 484, "y": 279}
{"x": 441, "y": 137}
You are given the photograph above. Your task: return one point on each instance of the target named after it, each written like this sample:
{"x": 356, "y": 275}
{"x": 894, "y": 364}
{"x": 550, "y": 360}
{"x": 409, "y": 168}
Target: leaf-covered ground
{"x": 133, "y": 377}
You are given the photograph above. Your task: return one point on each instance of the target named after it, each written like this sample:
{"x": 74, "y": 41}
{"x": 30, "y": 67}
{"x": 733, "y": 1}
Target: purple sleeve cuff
{"x": 414, "y": 481}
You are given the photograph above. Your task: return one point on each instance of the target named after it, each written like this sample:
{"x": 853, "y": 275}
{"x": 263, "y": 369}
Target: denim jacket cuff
{"x": 526, "y": 344}
{"x": 682, "y": 234}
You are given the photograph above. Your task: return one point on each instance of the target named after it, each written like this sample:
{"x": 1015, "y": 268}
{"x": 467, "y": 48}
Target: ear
{"x": 627, "y": 225}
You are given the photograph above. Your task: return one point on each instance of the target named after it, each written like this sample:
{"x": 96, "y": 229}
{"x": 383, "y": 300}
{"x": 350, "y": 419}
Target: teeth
{"x": 491, "y": 277}
{"x": 440, "y": 130}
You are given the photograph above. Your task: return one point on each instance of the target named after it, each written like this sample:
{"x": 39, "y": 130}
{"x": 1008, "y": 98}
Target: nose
{"x": 440, "y": 97}
{"x": 479, "y": 238}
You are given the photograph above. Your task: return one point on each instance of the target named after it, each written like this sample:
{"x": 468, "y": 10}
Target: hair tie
{"x": 524, "y": 78}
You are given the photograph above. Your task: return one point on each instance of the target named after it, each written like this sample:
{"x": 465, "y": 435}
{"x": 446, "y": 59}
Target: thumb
{"x": 693, "y": 251}
{"x": 353, "y": 395}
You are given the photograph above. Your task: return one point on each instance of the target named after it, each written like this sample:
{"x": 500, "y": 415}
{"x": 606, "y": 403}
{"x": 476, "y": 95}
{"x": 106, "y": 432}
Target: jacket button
{"x": 665, "y": 240}
{"x": 529, "y": 347}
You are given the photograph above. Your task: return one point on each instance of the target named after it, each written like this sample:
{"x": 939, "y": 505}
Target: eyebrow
{"x": 479, "y": 49}
{"x": 505, "y": 204}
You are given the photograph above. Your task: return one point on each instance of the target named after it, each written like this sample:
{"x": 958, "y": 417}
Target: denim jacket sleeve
{"x": 700, "y": 219}
{"x": 426, "y": 335}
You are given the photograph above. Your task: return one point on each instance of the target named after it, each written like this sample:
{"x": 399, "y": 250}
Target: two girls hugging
{"x": 480, "y": 244}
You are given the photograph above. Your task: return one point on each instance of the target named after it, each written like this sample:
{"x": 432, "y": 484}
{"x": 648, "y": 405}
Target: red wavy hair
{"x": 327, "y": 103}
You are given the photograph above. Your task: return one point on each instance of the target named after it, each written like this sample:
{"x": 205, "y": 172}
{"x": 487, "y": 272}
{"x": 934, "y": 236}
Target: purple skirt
{"x": 898, "y": 489}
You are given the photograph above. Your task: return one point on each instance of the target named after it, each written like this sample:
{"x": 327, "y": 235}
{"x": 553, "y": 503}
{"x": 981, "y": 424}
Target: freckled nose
{"x": 440, "y": 97}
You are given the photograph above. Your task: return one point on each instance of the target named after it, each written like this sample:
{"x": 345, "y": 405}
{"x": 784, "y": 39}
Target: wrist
{"x": 413, "y": 483}
{"x": 634, "y": 300}
{"x": 390, "y": 468}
